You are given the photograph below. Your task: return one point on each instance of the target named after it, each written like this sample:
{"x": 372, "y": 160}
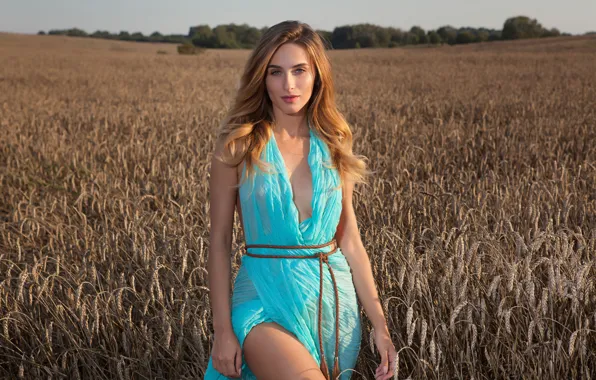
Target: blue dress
{"x": 286, "y": 291}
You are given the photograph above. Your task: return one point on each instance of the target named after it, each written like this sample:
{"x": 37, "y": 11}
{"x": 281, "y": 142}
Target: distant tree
{"x": 448, "y": 34}
{"x": 382, "y": 36}
{"x": 225, "y": 37}
{"x": 482, "y": 35}
{"x": 176, "y": 38}
{"x": 553, "y": 32}
{"x": 199, "y": 29}
{"x": 494, "y": 35}
{"x": 76, "y": 32}
{"x": 41, "y": 33}
{"x": 156, "y": 37}
{"x": 202, "y": 35}
{"x": 342, "y": 37}
{"x": 433, "y": 37}
{"x": 396, "y": 36}
{"x": 139, "y": 37}
{"x": 101, "y": 34}
{"x": 124, "y": 35}
{"x": 464, "y": 37}
{"x": 247, "y": 36}
{"x": 590, "y": 33}
{"x": 419, "y": 33}
{"x": 410, "y": 38}
{"x": 521, "y": 27}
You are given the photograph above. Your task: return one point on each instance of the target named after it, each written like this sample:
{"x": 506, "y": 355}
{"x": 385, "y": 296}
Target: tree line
{"x": 366, "y": 35}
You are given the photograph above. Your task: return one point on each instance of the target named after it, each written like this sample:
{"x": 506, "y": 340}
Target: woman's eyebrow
{"x": 279, "y": 67}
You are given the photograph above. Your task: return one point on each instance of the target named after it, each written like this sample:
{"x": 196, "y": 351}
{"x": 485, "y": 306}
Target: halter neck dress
{"x": 287, "y": 291}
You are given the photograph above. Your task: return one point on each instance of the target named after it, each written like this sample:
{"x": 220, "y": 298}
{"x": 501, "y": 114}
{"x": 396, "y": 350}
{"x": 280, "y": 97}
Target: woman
{"x": 283, "y": 158}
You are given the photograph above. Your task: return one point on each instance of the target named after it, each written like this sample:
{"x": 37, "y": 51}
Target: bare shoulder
{"x": 222, "y": 173}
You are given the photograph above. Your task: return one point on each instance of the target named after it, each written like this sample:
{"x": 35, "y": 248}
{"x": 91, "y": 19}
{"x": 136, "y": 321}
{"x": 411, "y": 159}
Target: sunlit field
{"x": 479, "y": 219}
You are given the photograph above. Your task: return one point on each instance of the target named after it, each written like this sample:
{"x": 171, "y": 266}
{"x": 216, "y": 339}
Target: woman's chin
{"x": 291, "y": 109}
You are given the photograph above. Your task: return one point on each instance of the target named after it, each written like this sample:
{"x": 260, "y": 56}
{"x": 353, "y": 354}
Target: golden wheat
{"x": 480, "y": 219}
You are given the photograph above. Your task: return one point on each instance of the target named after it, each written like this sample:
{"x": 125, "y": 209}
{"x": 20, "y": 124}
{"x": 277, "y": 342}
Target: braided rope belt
{"x": 323, "y": 258}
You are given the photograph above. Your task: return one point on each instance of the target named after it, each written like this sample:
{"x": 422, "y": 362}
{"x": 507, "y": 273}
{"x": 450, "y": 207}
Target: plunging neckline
{"x": 286, "y": 176}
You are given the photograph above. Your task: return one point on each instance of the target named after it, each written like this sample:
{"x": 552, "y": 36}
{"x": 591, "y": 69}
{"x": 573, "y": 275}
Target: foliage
{"x": 189, "y": 49}
{"x": 524, "y": 27}
{"x": 365, "y": 35}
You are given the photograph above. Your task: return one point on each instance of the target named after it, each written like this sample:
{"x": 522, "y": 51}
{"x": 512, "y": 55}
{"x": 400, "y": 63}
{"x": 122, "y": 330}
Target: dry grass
{"x": 480, "y": 220}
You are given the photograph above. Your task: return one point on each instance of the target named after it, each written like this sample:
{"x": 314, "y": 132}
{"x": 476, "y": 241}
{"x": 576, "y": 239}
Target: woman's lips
{"x": 290, "y": 99}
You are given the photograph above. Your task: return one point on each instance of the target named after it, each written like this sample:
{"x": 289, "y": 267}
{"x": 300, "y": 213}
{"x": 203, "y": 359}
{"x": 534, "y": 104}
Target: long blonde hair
{"x": 248, "y": 124}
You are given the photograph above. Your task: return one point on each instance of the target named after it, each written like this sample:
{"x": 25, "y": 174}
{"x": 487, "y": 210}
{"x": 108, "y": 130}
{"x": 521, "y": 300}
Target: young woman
{"x": 283, "y": 159}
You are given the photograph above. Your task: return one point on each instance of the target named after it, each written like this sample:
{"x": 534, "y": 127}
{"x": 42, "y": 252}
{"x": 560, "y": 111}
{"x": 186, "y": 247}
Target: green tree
{"x": 102, "y": 34}
{"x": 553, "y": 32}
{"x": 396, "y": 35}
{"x": 433, "y": 37}
{"x": 156, "y": 37}
{"x": 419, "y": 33}
{"x": 521, "y": 27}
{"x": 410, "y": 38}
{"x": 246, "y": 36}
{"x": 448, "y": 34}
{"x": 494, "y": 35}
{"x": 124, "y": 35}
{"x": 382, "y": 36}
{"x": 464, "y": 37}
{"x": 225, "y": 37}
{"x": 342, "y": 37}
{"x": 203, "y": 36}
{"x": 482, "y": 35}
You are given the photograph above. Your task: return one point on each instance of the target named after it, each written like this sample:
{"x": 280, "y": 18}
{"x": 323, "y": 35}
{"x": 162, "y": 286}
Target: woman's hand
{"x": 387, "y": 352}
{"x": 227, "y": 354}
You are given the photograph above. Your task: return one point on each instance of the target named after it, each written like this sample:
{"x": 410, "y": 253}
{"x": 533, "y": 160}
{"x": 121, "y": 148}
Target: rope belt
{"x": 323, "y": 257}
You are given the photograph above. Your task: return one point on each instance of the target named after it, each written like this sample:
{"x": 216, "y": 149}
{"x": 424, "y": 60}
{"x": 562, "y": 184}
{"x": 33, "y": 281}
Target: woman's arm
{"x": 350, "y": 243}
{"x": 222, "y": 197}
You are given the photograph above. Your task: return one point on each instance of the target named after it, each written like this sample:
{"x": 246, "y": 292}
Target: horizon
{"x": 32, "y": 16}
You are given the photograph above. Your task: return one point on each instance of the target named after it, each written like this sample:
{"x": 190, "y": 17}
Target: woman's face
{"x": 290, "y": 73}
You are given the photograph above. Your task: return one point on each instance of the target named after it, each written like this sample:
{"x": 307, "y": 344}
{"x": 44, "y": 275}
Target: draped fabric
{"x": 286, "y": 291}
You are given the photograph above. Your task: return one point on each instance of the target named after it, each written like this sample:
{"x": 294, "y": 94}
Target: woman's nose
{"x": 289, "y": 82}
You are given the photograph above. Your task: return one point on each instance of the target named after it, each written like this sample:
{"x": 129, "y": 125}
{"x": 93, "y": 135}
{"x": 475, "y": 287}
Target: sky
{"x": 176, "y": 16}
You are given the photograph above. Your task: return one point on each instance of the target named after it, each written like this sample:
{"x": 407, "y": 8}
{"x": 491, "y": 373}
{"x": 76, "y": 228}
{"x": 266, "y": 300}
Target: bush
{"x": 464, "y": 38}
{"x": 189, "y": 49}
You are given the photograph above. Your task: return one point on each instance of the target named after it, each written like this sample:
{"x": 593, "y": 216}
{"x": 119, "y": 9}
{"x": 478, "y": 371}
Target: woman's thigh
{"x": 271, "y": 352}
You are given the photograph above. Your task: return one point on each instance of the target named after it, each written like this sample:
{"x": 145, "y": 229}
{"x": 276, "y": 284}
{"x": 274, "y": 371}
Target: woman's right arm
{"x": 222, "y": 199}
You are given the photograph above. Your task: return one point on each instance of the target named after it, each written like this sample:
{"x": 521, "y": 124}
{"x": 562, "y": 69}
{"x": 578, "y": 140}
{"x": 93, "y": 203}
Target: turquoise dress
{"x": 286, "y": 291}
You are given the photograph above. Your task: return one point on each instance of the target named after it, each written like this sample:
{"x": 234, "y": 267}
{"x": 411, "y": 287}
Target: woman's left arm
{"x": 350, "y": 243}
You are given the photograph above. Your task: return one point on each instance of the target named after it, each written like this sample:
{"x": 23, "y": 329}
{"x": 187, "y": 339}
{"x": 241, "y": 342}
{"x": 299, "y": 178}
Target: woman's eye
{"x": 274, "y": 72}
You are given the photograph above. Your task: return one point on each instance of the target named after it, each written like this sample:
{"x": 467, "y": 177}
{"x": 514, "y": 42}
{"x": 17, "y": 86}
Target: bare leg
{"x": 273, "y": 353}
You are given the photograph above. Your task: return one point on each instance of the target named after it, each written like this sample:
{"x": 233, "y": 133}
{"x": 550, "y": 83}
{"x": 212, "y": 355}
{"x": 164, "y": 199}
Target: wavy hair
{"x": 248, "y": 124}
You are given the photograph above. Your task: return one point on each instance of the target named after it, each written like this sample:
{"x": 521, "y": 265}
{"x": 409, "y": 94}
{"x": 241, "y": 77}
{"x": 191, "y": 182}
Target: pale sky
{"x": 176, "y": 16}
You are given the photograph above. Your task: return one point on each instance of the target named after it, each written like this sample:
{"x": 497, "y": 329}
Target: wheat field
{"x": 479, "y": 220}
